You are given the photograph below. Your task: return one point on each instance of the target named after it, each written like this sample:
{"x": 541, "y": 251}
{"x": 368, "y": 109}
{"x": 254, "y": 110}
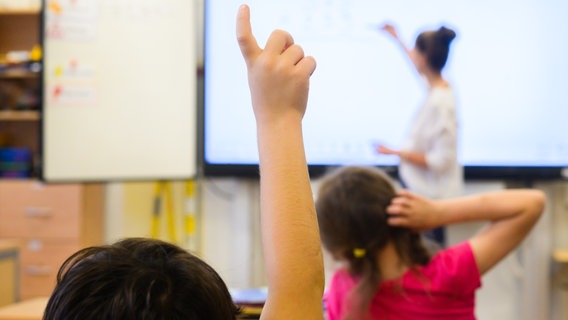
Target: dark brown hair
{"x": 137, "y": 278}
{"x": 435, "y": 45}
{"x": 351, "y": 209}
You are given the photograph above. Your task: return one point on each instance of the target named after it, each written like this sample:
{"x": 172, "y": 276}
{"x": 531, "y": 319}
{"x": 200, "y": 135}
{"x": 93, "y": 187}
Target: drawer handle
{"x": 38, "y": 270}
{"x": 36, "y": 212}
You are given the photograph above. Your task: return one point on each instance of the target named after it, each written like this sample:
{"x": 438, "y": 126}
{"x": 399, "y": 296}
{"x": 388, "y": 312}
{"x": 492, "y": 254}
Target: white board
{"x": 119, "y": 90}
{"x": 507, "y": 66}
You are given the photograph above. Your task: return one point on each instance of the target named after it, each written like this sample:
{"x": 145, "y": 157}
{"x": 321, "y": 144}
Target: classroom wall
{"x": 227, "y": 235}
{"x": 521, "y": 287}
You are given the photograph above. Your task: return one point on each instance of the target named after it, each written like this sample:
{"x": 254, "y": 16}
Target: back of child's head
{"x": 351, "y": 208}
{"x": 138, "y": 279}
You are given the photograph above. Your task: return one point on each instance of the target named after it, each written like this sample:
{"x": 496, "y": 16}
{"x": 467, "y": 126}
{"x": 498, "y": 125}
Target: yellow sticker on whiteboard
{"x": 58, "y": 71}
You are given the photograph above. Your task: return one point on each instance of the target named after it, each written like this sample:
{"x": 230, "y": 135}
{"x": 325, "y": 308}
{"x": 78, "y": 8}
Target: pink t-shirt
{"x": 443, "y": 289}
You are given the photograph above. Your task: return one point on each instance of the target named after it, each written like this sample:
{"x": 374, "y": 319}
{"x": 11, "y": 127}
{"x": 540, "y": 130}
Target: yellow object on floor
{"x": 9, "y": 264}
{"x": 163, "y": 194}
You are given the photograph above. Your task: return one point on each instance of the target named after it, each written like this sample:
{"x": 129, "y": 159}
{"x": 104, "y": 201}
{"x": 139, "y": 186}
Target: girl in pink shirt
{"x": 388, "y": 272}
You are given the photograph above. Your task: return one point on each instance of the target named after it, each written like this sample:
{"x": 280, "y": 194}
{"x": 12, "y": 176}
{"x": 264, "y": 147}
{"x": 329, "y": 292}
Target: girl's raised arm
{"x": 278, "y": 77}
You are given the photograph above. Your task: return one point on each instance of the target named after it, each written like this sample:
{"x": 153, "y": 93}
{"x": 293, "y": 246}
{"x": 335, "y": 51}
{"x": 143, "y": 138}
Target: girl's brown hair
{"x": 351, "y": 210}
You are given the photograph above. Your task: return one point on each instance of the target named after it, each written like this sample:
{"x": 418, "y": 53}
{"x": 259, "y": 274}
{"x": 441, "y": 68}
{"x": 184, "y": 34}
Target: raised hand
{"x": 391, "y": 30}
{"x": 278, "y": 75}
{"x": 278, "y": 78}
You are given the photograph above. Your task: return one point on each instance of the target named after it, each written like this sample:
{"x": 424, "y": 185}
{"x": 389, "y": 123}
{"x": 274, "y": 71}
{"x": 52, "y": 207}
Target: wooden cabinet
{"x": 51, "y": 222}
{"x": 20, "y": 84}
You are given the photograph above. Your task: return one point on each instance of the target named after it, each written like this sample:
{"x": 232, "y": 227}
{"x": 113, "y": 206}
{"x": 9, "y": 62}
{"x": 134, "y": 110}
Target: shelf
{"x": 19, "y": 75}
{"x": 19, "y": 115}
{"x": 561, "y": 255}
{"x": 16, "y": 12}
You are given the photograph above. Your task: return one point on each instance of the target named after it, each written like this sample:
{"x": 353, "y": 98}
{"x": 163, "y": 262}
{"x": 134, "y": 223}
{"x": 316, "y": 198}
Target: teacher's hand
{"x": 391, "y": 30}
{"x": 385, "y": 150}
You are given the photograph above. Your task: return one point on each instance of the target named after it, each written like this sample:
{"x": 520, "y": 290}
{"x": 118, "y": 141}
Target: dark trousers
{"x": 438, "y": 235}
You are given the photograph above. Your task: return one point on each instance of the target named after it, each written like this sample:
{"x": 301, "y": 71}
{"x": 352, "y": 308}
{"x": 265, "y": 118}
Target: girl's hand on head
{"x": 412, "y": 211}
{"x": 278, "y": 75}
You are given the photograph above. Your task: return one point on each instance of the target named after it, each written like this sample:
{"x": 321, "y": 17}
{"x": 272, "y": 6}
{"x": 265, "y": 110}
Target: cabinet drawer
{"x": 32, "y": 209}
{"x": 40, "y": 261}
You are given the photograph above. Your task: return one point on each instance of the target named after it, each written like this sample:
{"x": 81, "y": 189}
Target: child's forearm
{"x": 291, "y": 243}
{"x": 511, "y": 214}
{"x": 290, "y": 234}
{"x": 490, "y": 206}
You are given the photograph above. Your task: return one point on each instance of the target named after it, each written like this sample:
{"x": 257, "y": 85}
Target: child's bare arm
{"x": 279, "y": 81}
{"x": 511, "y": 213}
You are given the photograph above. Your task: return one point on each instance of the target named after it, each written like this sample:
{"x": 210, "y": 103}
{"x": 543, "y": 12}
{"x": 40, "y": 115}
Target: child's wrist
{"x": 283, "y": 119}
{"x": 441, "y": 214}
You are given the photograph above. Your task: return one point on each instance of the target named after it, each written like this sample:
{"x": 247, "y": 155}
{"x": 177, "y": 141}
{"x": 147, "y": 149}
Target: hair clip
{"x": 359, "y": 253}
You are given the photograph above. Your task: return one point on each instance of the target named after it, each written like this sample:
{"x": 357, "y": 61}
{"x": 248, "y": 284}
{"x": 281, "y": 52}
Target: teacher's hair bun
{"x": 445, "y": 35}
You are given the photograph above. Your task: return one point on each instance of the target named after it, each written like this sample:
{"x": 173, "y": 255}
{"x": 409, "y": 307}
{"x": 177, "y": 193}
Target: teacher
{"x": 429, "y": 157}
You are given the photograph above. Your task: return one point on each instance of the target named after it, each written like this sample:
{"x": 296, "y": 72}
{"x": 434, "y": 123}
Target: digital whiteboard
{"x": 119, "y": 98}
{"x": 507, "y": 66}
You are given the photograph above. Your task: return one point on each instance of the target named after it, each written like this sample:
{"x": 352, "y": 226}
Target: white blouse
{"x": 434, "y": 132}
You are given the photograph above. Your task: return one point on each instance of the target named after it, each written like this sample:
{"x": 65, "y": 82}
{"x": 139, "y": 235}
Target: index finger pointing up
{"x": 247, "y": 42}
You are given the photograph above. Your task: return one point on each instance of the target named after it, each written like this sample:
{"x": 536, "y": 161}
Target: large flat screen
{"x": 508, "y": 67}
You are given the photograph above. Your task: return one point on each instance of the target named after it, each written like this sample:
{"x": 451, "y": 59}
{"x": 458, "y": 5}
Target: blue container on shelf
{"x": 15, "y": 162}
